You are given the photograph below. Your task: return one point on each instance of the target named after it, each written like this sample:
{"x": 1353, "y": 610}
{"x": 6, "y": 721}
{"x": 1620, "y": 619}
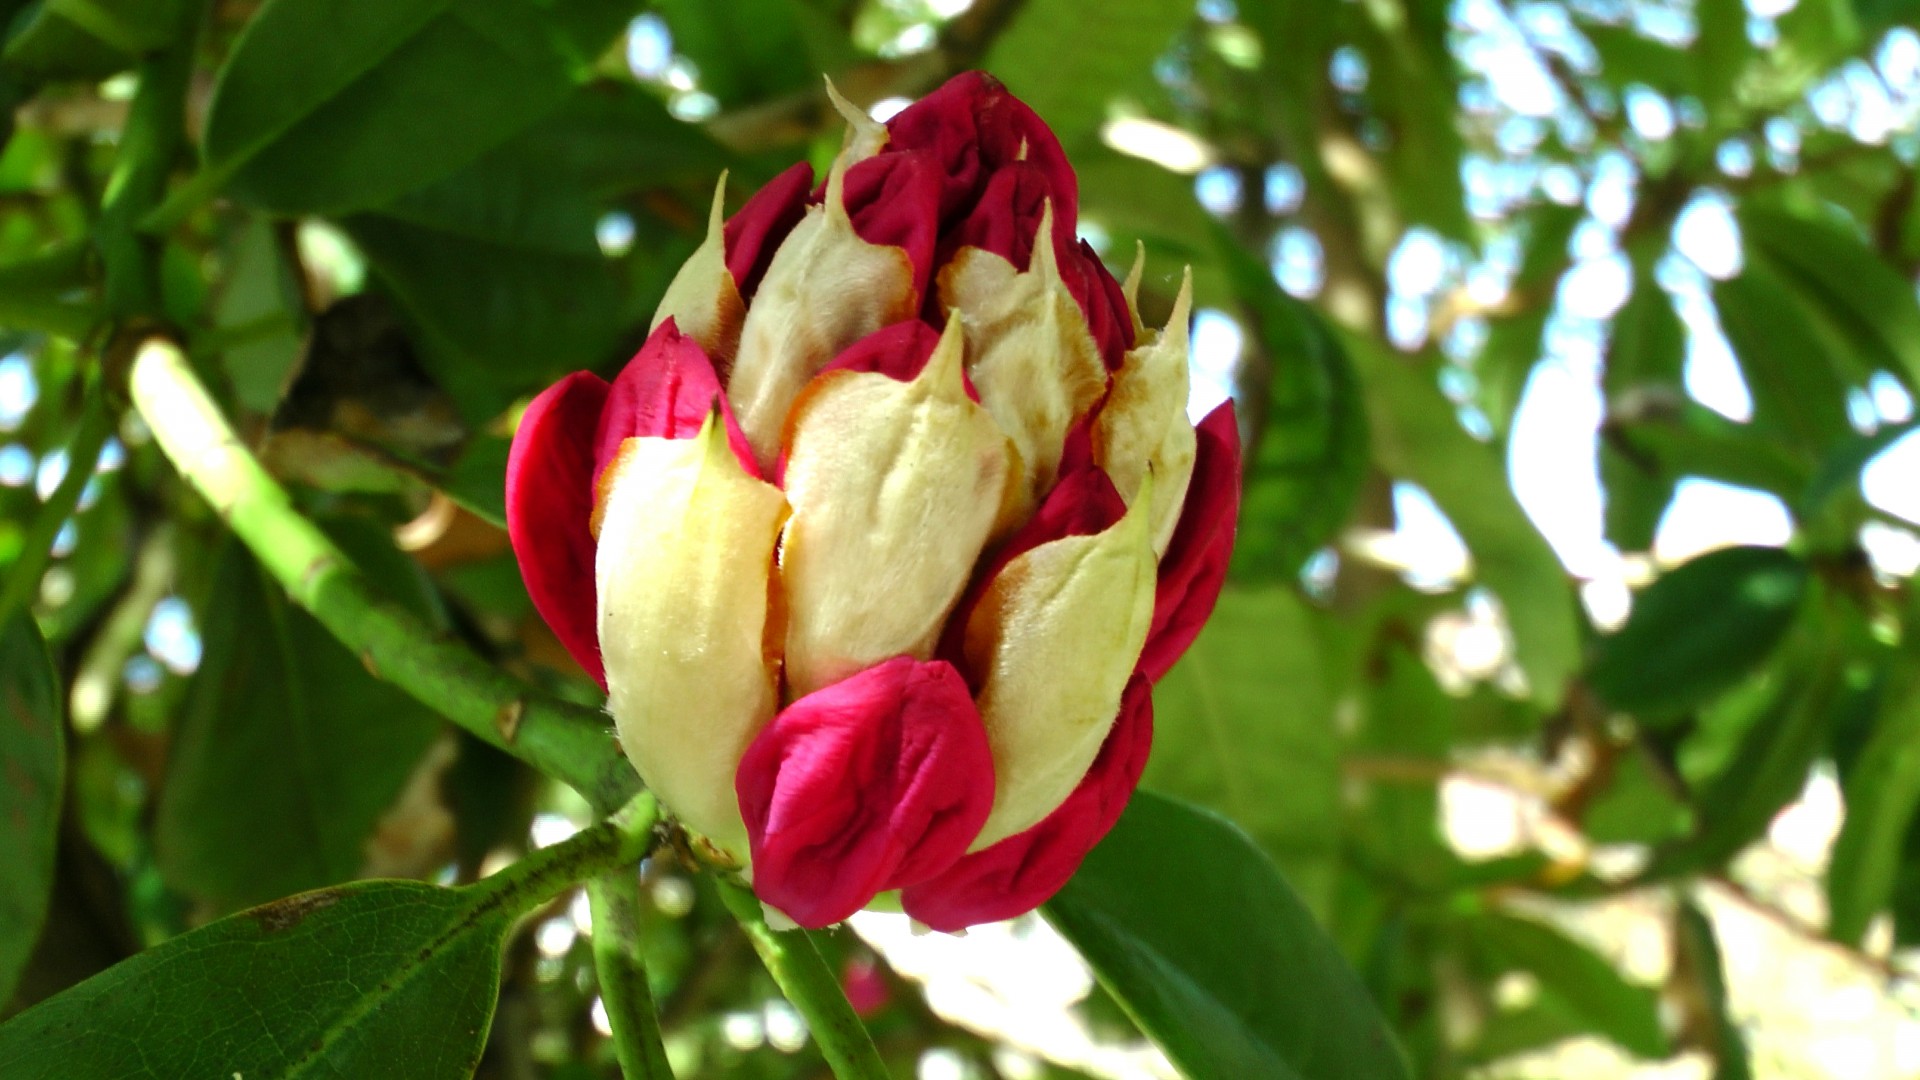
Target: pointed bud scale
{"x": 1051, "y": 642}
{"x": 894, "y": 486}
{"x": 880, "y": 541}
{"x": 1143, "y": 425}
{"x": 1037, "y": 367}
{"x": 826, "y": 288}
{"x": 683, "y": 568}
{"x": 703, "y": 298}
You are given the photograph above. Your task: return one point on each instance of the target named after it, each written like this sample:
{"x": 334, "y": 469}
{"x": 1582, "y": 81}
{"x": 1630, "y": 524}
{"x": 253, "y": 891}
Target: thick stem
{"x": 95, "y": 425}
{"x": 614, "y": 899}
{"x": 794, "y": 963}
{"x": 566, "y": 741}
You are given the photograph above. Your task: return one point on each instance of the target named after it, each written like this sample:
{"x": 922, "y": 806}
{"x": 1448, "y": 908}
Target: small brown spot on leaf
{"x": 291, "y": 912}
{"x": 507, "y": 720}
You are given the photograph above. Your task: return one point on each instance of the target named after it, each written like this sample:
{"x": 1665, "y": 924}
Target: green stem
{"x": 614, "y": 899}
{"x": 96, "y": 423}
{"x": 794, "y": 963}
{"x": 566, "y": 741}
{"x": 623, "y": 838}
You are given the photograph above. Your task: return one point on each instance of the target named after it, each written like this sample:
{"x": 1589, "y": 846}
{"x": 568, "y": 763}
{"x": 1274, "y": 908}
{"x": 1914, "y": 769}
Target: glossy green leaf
{"x": 1699, "y": 629}
{"x": 1306, "y": 470}
{"x": 1068, "y": 85}
{"x": 288, "y": 751}
{"x": 372, "y": 980}
{"x": 1244, "y": 725}
{"x": 331, "y": 105}
{"x": 1417, "y": 438}
{"x": 1207, "y": 948}
{"x": 32, "y": 785}
{"x": 1579, "y": 991}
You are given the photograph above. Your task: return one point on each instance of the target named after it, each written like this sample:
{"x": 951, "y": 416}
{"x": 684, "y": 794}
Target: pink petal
{"x": 1195, "y": 565}
{"x": 550, "y": 473}
{"x": 755, "y": 231}
{"x": 1022, "y": 872}
{"x": 876, "y": 782}
{"x": 665, "y": 391}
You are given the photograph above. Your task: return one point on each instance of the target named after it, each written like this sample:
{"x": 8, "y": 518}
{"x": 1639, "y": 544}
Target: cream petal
{"x": 1031, "y": 355}
{"x": 1054, "y": 639}
{"x": 895, "y": 487}
{"x": 683, "y": 566}
{"x": 825, "y": 289}
{"x": 703, "y": 299}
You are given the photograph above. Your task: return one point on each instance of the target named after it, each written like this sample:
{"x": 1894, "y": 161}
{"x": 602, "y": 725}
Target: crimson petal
{"x": 666, "y": 391}
{"x": 1023, "y": 871}
{"x": 1195, "y": 565}
{"x": 878, "y": 781}
{"x": 550, "y": 473}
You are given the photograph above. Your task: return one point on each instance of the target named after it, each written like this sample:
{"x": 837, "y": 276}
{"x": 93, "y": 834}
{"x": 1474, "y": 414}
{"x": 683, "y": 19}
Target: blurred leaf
{"x": 1406, "y": 721}
{"x": 1684, "y": 438}
{"x": 85, "y": 39}
{"x": 1882, "y": 795}
{"x": 1723, "y": 50}
{"x": 1417, "y": 438}
{"x": 32, "y": 764}
{"x": 1646, "y": 351}
{"x": 1201, "y": 940}
{"x": 1799, "y": 392}
{"x": 478, "y": 480}
{"x": 1700, "y": 966}
{"x": 1627, "y": 58}
{"x": 1878, "y": 15}
{"x": 1843, "y": 281}
{"x": 1311, "y": 459}
{"x": 1513, "y": 342}
{"x": 331, "y": 105}
{"x": 1578, "y": 990}
{"x": 1637, "y": 806}
{"x": 1699, "y": 629}
{"x": 1778, "y": 739}
{"x": 288, "y": 752}
{"x": 1244, "y": 725}
{"x": 1413, "y": 90}
{"x": 1840, "y": 472}
{"x": 1044, "y": 56}
{"x": 746, "y": 50}
{"x": 372, "y": 980}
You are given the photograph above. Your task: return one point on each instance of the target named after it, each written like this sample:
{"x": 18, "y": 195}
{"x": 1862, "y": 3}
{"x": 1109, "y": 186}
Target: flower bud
{"x": 881, "y": 540}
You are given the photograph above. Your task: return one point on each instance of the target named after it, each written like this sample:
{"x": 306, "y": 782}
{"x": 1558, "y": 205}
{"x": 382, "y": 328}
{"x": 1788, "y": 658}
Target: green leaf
{"x": 1699, "y": 629}
{"x": 1579, "y": 991}
{"x": 372, "y": 980}
{"x": 1311, "y": 459}
{"x": 478, "y": 479}
{"x": 85, "y": 39}
{"x": 1698, "y": 962}
{"x": 1842, "y": 280}
{"x": 1882, "y": 795}
{"x": 1799, "y": 390}
{"x": 1645, "y": 354}
{"x": 1514, "y": 343}
{"x": 1207, "y": 948}
{"x": 32, "y": 767}
{"x": 1044, "y": 56}
{"x": 1417, "y": 438}
{"x": 1724, "y": 51}
{"x": 746, "y": 50}
{"x": 1685, "y": 438}
{"x": 288, "y": 751}
{"x": 331, "y": 105}
{"x": 1244, "y": 725}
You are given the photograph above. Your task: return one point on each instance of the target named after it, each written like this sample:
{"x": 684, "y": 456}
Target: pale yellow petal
{"x": 1143, "y": 427}
{"x": 702, "y": 299}
{"x": 683, "y": 567}
{"x": 825, "y": 289}
{"x": 894, "y": 488}
{"x": 1030, "y": 353}
{"x": 1056, "y": 636}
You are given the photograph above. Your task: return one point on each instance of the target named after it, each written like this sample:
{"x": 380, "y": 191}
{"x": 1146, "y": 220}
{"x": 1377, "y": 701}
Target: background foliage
{"x": 377, "y": 226}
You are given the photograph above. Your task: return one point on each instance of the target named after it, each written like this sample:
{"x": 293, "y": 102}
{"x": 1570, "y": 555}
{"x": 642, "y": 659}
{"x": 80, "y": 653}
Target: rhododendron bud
{"x": 880, "y": 541}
